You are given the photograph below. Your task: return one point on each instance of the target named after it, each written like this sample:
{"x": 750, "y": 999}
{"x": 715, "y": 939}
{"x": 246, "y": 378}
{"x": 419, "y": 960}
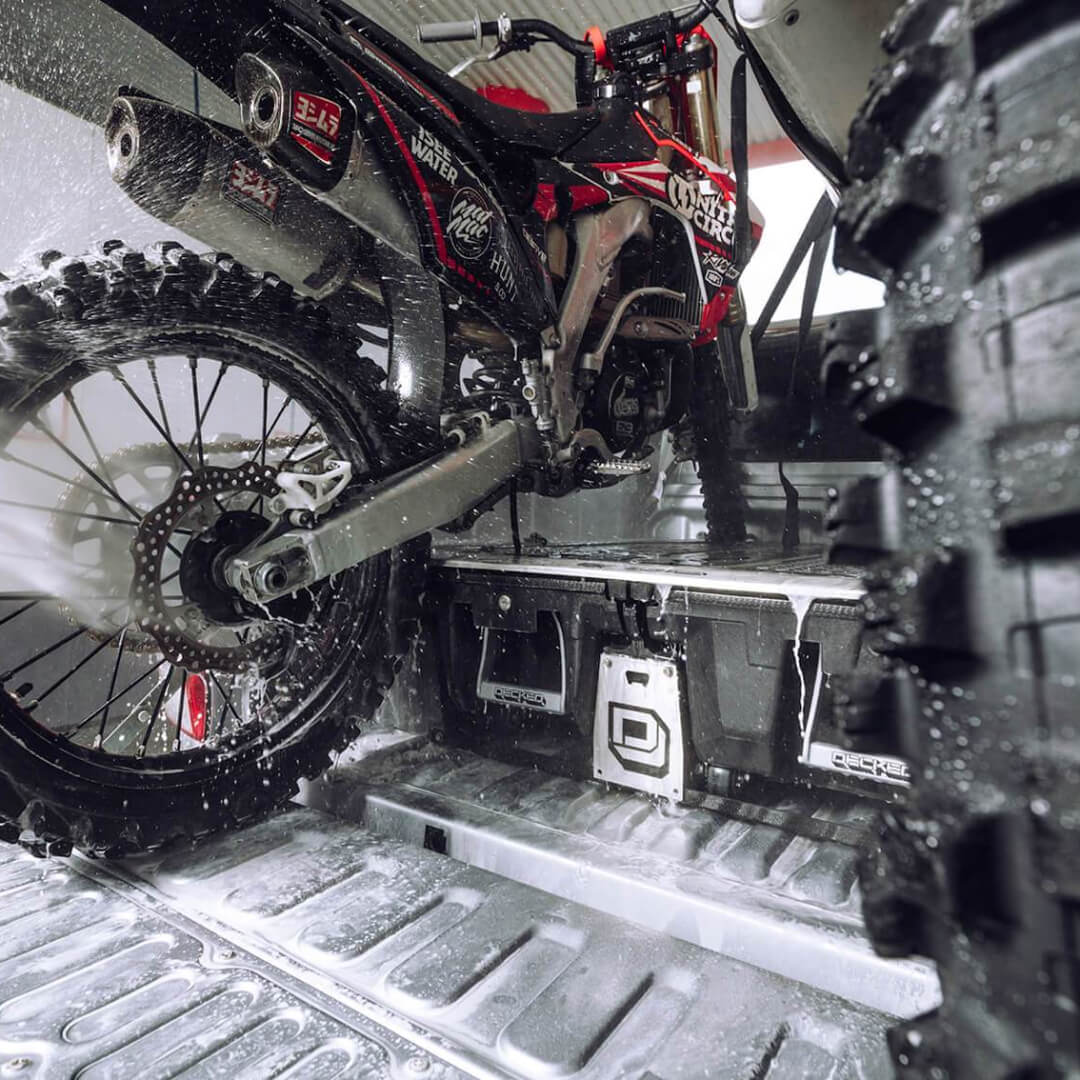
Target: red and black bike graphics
{"x": 699, "y": 192}
{"x": 467, "y": 237}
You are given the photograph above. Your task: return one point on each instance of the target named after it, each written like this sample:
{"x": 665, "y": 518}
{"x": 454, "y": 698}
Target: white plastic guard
{"x": 638, "y": 734}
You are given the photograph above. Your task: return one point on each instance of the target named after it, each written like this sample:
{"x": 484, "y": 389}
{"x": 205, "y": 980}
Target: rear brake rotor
{"x": 183, "y": 633}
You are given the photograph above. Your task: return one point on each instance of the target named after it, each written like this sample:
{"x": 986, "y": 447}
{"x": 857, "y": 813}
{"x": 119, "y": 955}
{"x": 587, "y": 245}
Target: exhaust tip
{"x": 121, "y": 139}
{"x": 262, "y": 100}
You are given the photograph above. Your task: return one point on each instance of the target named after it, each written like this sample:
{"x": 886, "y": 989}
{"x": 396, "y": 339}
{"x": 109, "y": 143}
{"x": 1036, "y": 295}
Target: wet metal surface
{"x": 671, "y": 564}
{"x": 308, "y": 947}
{"x": 98, "y": 981}
{"x": 749, "y": 890}
{"x": 507, "y": 979}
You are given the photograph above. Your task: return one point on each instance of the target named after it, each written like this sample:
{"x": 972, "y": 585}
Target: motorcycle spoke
{"x": 265, "y": 405}
{"x": 180, "y": 710}
{"x": 270, "y": 430}
{"x": 227, "y": 697}
{"x": 127, "y": 522}
{"x": 193, "y": 363}
{"x": 69, "y": 397}
{"x": 5, "y": 456}
{"x": 113, "y": 698}
{"x": 222, "y": 368}
{"x": 152, "y": 365}
{"x": 112, "y": 686}
{"x": 157, "y": 710}
{"x": 300, "y": 439}
{"x": 166, "y": 435}
{"x": 78, "y": 667}
{"x": 107, "y": 488}
{"x": 41, "y": 654}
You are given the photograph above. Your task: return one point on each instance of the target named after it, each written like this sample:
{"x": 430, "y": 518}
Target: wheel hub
{"x": 189, "y": 634}
{"x": 201, "y": 577}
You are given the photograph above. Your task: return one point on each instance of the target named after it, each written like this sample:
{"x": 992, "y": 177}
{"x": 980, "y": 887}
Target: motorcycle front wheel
{"x": 147, "y": 401}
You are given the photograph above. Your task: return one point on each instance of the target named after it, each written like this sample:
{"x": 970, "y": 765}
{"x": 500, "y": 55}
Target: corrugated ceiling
{"x": 546, "y": 71}
{"x": 74, "y": 53}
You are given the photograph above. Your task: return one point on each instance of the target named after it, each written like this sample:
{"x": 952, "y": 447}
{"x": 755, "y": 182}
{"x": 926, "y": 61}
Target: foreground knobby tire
{"x": 70, "y": 321}
{"x": 966, "y": 203}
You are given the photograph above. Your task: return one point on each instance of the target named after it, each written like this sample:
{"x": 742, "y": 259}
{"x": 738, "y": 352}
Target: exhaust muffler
{"x": 307, "y": 127}
{"x": 192, "y": 175}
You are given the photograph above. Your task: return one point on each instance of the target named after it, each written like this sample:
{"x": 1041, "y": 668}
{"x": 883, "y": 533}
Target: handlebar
{"x": 476, "y": 30}
{"x": 460, "y": 30}
{"x": 693, "y": 18}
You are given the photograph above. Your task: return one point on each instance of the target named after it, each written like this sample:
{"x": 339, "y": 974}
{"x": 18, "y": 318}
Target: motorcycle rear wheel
{"x": 126, "y": 379}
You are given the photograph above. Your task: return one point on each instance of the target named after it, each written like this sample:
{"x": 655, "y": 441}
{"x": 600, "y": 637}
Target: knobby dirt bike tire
{"x": 966, "y": 201}
{"x": 86, "y": 311}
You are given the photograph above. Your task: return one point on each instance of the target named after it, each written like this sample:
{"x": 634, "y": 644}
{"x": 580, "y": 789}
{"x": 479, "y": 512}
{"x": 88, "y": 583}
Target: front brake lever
{"x": 479, "y": 58}
{"x": 508, "y": 43}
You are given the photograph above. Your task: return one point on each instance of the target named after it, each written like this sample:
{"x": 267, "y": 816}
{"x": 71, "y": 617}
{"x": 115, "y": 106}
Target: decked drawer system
{"x": 678, "y": 672}
{"x": 436, "y": 911}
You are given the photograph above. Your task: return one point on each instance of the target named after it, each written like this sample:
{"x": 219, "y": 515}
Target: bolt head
{"x": 505, "y": 603}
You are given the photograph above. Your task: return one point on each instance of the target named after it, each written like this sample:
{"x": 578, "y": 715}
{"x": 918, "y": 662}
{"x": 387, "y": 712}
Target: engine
{"x": 637, "y": 393}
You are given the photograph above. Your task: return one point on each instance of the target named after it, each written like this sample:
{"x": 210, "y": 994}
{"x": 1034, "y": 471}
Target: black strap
{"x": 515, "y": 525}
{"x": 820, "y": 222}
{"x": 740, "y": 157}
{"x": 806, "y": 317}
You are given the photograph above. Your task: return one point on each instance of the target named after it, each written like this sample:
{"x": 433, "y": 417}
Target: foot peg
{"x": 614, "y": 469}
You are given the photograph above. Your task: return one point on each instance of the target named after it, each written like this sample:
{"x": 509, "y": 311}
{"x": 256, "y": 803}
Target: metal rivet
{"x": 505, "y": 603}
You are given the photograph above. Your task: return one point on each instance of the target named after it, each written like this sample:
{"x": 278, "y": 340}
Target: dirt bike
{"x": 237, "y": 495}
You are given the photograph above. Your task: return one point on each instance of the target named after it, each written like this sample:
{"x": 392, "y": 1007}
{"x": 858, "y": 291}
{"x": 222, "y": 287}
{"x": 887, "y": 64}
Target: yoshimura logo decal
{"x": 469, "y": 228}
{"x": 315, "y": 124}
{"x": 251, "y": 190}
{"x": 710, "y": 214}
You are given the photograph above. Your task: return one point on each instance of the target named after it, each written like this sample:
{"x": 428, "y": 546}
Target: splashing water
{"x": 800, "y": 604}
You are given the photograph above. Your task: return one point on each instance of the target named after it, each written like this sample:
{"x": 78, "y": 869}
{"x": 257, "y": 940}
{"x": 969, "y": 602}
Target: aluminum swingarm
{"x": 408, "y": 505}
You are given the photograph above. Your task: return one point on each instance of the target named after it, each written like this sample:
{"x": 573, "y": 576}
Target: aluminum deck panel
{"x": 96, "y": 981}
{"x": 513, "y": 979}
{"x": 752, "y": 891}
{"x": 671, "y": 565}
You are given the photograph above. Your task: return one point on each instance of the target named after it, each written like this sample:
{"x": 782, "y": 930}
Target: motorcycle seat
{"x": 544, "y": 135}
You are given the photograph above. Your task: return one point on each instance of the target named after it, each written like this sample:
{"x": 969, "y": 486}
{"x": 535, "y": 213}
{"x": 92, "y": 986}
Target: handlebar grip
{"x": 458, "y": 30}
